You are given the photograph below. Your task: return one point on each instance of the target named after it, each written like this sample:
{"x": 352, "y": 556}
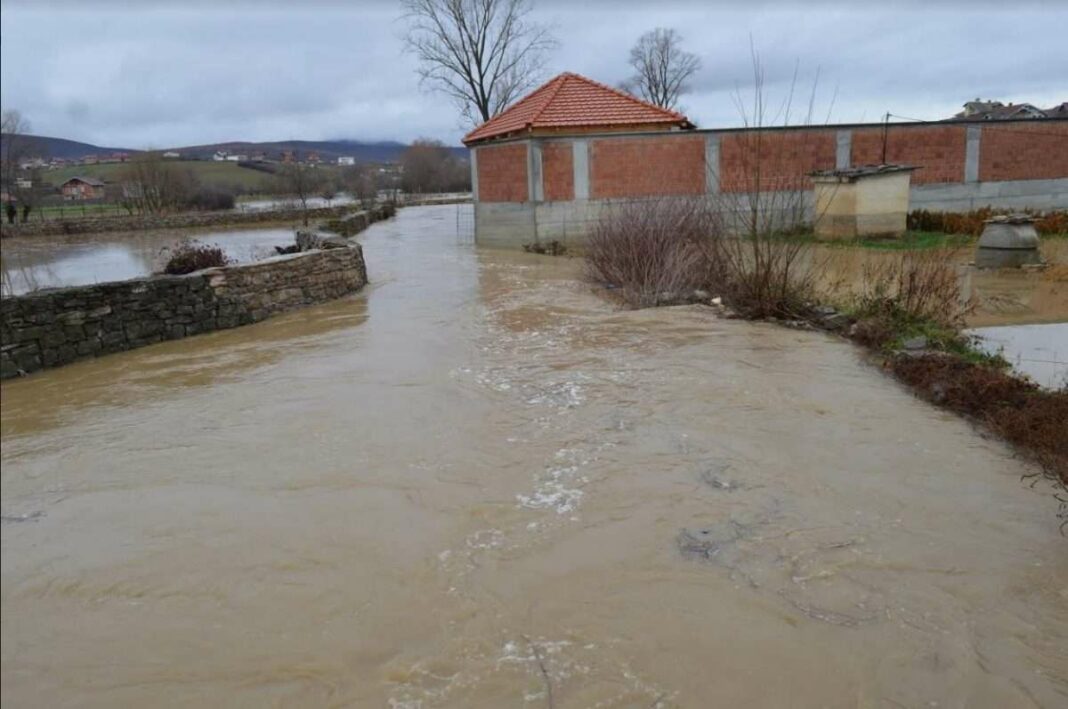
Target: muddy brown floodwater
{"x": 480, "y": 485}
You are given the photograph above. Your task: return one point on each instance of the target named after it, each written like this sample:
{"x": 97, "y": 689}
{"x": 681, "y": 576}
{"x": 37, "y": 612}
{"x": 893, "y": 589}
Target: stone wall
{"x": 54, "y": 327}
{"x": 92, "y": 225}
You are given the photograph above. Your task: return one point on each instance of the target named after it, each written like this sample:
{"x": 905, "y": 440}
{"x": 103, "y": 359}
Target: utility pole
{"x": 886, "y": 132}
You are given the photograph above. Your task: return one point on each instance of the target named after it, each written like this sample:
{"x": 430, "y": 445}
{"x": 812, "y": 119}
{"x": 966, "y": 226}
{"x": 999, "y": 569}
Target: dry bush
{"x": 189, "y": 256}
{"x": 913, "y": 289}
{"x": 553, "y": 248}
{"x": 761, "y": 276}
{"x": 971, "y": 223}
{"x": 650, "y": 250}
{"x": 661, "y": 251}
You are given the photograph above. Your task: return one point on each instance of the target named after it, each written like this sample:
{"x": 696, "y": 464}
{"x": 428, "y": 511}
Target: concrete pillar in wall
{"x": 971, "y": 153}
{"x": 712, "y": 163}
{"x": 534, "y": 172}
{"x": 843, "y": 152}
{"x": 580, "y": 166}
{"x": 474, "y": 174}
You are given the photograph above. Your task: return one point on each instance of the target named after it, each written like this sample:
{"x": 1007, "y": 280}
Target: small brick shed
{"x": 547, "y": 166}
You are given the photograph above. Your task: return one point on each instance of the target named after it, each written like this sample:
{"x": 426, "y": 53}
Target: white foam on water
{"x": 556, "y": 490}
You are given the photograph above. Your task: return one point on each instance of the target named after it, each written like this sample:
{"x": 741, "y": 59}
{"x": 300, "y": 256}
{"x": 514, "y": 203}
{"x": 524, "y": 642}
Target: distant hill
{"x": 329, "y": 150}
{"x": 47, "y": 147}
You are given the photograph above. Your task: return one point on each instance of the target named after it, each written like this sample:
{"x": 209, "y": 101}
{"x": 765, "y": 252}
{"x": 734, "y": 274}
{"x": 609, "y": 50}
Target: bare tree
{"x": 661, "y": 68}
{"x": 301, "y": 181}
{"x": 150, "y": 185}
{"x": 423, "y": 164}
{"x": 359, "y": 181}
{"x": 429, "y": 167}
{"x": 482, "y": 53}
{"x": 13, "y": 149}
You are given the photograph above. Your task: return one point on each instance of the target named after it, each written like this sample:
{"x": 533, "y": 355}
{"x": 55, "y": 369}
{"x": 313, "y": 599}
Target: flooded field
{"x": 1001, "y": 296}
{"x": 30, "y": 263}
{"x": 477, "y": 484}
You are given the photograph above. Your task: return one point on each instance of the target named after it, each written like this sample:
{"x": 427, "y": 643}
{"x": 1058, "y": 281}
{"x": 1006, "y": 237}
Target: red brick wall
{"x": 639, "y": 167}
{"x": 784, "y": 159}
{"x": 502, "y": 173}
{"x": 1021, "y": 151}
{"x": 558, "y": 174}
{"x": 937, "y": 150}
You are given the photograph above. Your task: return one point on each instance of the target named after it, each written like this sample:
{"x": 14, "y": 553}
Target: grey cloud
{"x": 163, "y": 73}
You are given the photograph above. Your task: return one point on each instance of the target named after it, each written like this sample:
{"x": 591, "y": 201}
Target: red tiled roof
{"x": 570, "y": 101}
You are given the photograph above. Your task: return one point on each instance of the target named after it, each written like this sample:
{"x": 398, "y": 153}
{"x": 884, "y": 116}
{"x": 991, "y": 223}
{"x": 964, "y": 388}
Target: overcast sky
{"x": 149, "y": 73}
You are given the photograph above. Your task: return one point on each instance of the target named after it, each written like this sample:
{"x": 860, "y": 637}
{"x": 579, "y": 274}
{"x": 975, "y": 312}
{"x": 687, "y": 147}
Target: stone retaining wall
{"x": 53, "y": 327}
{"x": 49, "y": 328}
{"x": 92, "y": 225}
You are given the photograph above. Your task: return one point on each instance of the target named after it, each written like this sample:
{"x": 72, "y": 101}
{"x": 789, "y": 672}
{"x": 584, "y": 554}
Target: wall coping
{"x": 568, "y": 135}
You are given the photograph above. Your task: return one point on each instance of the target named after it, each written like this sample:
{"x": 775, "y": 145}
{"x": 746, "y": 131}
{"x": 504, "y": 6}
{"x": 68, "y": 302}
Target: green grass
{"x": 77, "y": 209}
{"x": 913, "y": 240}
{"x": 899, "y": 327}
{"x": 909, "y": 241}
{"x": 208, "y": 172}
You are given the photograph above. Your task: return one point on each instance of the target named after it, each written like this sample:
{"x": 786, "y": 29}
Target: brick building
{"x": 546, "y": 166}
{"x": 82, "y": 188}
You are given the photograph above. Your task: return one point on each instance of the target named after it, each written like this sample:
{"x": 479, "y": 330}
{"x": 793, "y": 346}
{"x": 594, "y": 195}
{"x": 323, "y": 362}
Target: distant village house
{"x": 82, "y": 188}
{"x": 346, "y": 160}
{"x": 979, "y": 110}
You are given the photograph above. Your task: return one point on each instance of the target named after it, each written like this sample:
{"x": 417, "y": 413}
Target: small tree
{"x": 661, "y": 68}
{"x": 29, "y": 192}
{"x": 14, "y": 148}
{"x": 424, "y": 165}
{"x": 483, "y": 53}
{"x": 328, "y": 189}
{"x": 301, "y": 181}
{"x": 151, "y": 185}
{"x": 359, "y": 181}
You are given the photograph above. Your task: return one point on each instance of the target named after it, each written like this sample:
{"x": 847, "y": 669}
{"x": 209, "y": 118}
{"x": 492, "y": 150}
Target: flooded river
{"x": 30, "y": 263}
{"x": 477, "y": 484}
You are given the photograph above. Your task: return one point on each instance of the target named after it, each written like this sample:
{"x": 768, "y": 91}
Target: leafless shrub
{"x": 189, "y": 256}
{"x": 762, "y": 276}
{"x": 917, "y": 285}
{"x": 650, "y": 250}
{"x": 661, "y": 251}
{"x": 763, "y": 273}
{"x": 552, "y": 248}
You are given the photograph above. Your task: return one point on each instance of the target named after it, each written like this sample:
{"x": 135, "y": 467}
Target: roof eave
{"x": 529, "y": 129}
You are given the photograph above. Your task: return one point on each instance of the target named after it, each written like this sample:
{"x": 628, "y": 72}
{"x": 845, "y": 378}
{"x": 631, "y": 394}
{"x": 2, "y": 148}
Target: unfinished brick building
{"x": 545, "y": 167}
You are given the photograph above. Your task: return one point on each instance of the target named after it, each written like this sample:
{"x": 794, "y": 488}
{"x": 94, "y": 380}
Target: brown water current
{"x": 479, "y": 484}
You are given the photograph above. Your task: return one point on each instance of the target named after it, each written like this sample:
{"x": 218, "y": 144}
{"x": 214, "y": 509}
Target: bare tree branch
{"x": 481, "y": 53}
{"x": 662, "y": 69}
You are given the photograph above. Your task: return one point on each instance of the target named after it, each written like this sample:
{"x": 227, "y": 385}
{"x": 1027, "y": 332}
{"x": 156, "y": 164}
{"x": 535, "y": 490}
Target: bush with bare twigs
{"x": 1046, "y": 223}
{"x": 761, "y": 276}
{"x": 650, "y": 250}
{"x": 915, "y": 293}
{"x": 661, "y": 251}
{"x": 189, "y": 256}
